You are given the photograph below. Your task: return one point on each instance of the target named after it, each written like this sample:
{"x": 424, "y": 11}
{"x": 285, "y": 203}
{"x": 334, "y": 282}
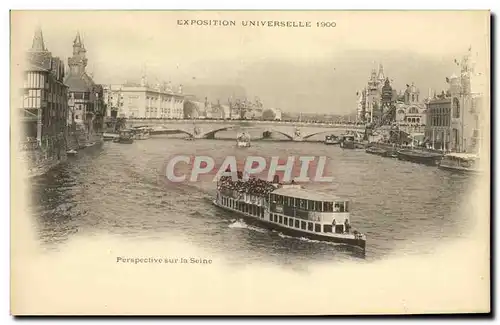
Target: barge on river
{"x": 377, "y": 151}
{"x": 290, "y": 209}
{"x": 420, "y": 157}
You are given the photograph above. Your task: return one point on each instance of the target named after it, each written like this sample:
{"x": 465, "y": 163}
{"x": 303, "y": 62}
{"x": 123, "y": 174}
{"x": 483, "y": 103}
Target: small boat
{"x": 90, "y": 144}
{"x": 290, "y": 209}
{"x": 331, "y": 140}
{"x": 377, "y": 151}
{"x": 420, "y": 156}
{"x": 71, "y": 152}
{"x": 460, "y": 162}
{"x": 110, "y": 136}
{"x": 347, "y": 141}
{"x": 142, "y": 134}
{"x": 126, "y": 137}
{"x": 243, "y": 140}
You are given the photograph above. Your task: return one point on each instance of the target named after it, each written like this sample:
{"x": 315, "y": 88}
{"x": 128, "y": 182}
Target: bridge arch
{"x": 211, "y": 134}
{"x": 169, "y": 131}
{"x": 282, "y": 133}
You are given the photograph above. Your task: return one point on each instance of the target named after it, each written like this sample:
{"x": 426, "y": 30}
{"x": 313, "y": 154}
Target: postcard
{"x": 250, "y": 162}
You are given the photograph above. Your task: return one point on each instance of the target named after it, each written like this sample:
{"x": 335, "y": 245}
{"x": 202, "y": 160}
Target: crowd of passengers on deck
{"x": 254, "y": 186}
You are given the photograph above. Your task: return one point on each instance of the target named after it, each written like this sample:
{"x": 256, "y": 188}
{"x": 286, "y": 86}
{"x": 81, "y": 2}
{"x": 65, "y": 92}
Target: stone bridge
{"x": 206, "y": 129}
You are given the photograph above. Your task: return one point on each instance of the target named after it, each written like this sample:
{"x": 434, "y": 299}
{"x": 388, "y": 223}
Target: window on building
{"x": 310, "y": 226}
{"x": 297, "y": 223}
{"x": 317, "y": 227}
{"x": 280, "y": 219}
{"x": 327, "y": 228}
{"x": 286, "y": 221}
{"x": 303, "y": 225}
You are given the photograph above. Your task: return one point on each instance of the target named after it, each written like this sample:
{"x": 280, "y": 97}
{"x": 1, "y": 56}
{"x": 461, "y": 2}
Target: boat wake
{"x": 240, "y": 224}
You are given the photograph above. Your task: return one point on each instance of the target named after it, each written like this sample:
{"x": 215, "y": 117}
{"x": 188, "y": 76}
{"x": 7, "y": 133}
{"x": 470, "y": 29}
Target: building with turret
{"x": 410, "y": 107}
{"x": 467, "y": 102}
{"x": 454, "y": 116}
{"x": 86, "y": 103}
{"x": 44, "y": 106}
{"x": 370, "y": 98}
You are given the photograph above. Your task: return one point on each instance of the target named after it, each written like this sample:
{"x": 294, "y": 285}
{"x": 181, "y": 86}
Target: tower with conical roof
{"x": 78, "y": 62}
{"x": 38, "y": 44}
{"x": 386, "y": 101}
{"x": 38, "y": 54}
{"x": 87, "y": 106}
{"x": 381, "y": 75}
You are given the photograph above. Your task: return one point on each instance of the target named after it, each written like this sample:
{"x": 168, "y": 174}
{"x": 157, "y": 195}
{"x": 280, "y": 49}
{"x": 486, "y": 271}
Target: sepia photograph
{"x": 233, "y": 162}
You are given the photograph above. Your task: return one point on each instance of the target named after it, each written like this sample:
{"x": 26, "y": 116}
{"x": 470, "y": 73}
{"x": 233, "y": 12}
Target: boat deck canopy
{"x": 305, "y": 194}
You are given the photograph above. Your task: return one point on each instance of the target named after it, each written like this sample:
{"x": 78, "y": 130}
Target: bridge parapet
{"x": 155, "y": 121}
{"x": 296, "y": 131}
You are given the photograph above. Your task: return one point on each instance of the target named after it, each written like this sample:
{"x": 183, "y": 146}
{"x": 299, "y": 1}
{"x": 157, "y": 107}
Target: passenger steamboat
{"x": 461, "y": 162}
{"x": 290, "y": 209}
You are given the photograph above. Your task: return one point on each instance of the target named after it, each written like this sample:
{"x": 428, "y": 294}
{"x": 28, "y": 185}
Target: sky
{"x": 316, "y": 69}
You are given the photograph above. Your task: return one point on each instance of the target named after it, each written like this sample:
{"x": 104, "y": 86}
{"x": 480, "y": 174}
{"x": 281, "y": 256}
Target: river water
{"x": 117, "y": 190}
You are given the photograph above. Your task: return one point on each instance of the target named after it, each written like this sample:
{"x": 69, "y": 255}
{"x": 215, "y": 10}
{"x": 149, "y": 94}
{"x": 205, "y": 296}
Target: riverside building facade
{"x": 144, "y": 101}
{"x": 44, "y": 105}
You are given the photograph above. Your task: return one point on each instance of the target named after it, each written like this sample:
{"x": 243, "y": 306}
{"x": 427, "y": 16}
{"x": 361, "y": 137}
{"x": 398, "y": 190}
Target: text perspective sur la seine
{"x": 163, "y": 260}
{"x": 256, "y": 23}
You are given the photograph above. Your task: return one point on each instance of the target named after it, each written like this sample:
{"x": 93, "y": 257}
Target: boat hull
{"x": 125, "y": 141}
{"x": 430, "y": 160}
{"x": 359, "y": 145}
{"x": 461, "y": 170}
{"x": 359, "y": 244}
{"x": 377, "y": 152}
